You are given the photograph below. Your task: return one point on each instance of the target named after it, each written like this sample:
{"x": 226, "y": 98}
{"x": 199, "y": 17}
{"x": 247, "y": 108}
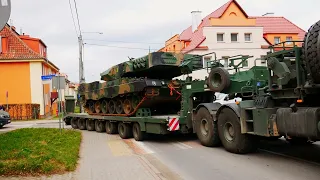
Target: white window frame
{"x": 205, "y": 59}
{"x": 250, "y": 37}
{"x": 222, "y": 37}
{"x": 237, "y": 35}
{"x": 288, "y": 43}
{"x": 275, "y": 40}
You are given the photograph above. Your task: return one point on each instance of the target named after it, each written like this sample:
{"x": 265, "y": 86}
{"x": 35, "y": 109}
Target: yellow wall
{"x": 15, "y": 78}
{"x": 173, "y": 44}
{"x": 270, "y": 37}
{"x": 233, "y": 16}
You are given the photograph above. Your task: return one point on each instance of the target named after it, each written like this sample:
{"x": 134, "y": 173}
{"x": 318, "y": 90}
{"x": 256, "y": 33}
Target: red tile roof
{"x": 279, "y": 25}
{"x": 16, "y": 48}
{"x": 269, "y": 24}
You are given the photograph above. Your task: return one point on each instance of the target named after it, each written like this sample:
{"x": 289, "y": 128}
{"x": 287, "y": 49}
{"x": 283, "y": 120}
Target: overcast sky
{"x": 139, "y": 24}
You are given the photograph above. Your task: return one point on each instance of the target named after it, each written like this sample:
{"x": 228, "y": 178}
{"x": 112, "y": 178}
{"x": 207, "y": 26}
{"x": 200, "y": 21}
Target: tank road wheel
{"x": 230, "y": 134}
{"x": 90, "y": 125}
{"x": 127, "y": 106}
{"x": 82, "y": 124}
{"x": 74, "y": 123}
{"x": 100, "y": 126}
{"x": 119, "y": 106}
{"x": 91, "y": 106}
{"x": 111, "y": 127}
{"x": 124, "y": 130}
{"x": 135, "y": 100}
{"x": 112, "y": 107}
{"x": 206, "y": 128}
{"x": 97, "y": 106}
{"x": 138, "y": 135}
{"x": 104, "y": 106}
{"x": 311, "y": 51}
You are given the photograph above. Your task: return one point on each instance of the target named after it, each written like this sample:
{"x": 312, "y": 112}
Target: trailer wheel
{"x": 90, "y": 124}
{"x": 230, "y": 134}
{"x": 74, "y": 123}
{"x": 111, "y": 127}
{"x": 82, "y": 124}
{"x": 124, "y": 130}
{"x": 138, "y": 135}
{"x": 100, "y": 126}
{"x": 206, "y": 128}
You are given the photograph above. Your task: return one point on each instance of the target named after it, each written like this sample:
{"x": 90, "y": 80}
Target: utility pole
{"x": 81, "y": 74}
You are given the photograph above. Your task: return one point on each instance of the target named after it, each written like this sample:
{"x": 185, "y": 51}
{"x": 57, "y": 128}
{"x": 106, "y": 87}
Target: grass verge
{"x": 37, "y": 151}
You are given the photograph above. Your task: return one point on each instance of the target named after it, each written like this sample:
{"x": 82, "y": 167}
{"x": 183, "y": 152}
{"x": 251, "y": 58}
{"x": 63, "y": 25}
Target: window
{"x": 247, "y": 37}
{"x": 220, "y": 37}
{"x": 276, "y": 40}
{"x": 234, "y": 37}
{"x": 206, "y": 61}
{"x": 289, "y": 38}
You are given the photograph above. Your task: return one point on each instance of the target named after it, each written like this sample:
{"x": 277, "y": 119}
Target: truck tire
{"x": 311, "y": 52}
{"x": 138, "y": 135}
{"x": 82, "y": 124}
{"x": 100, "y": 126}
{"x": 111, "y": 128}
{"x": 230, "y": 134}
{"x": 125, "y": 131}
{"x": 219, "y": 79}
{"x": 90, "y": 124}
{"x": 74, "y": 123}
{"x": 206, "y": 128}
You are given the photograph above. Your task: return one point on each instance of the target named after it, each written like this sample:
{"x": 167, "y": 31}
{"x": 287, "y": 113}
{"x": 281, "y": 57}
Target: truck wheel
{"x": 138, "y": 135}
{"x": 90, "y": 124}
{"x": 124, "y": 130}
{"x": 206, "y": 128}
{"x": 311, "y": 51}
{"x": 230, "y": 134}
{"x": 111, "y": 128}
{"x": 100, "y": 126}
{"x": 68, "y": 121}
{"x": 74, "y": 123}
{"x": 82, "y": 124}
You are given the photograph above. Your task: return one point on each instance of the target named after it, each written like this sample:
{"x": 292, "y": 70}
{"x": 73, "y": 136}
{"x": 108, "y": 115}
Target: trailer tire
{"x": 100, "y": 126}
{"x": 125, "y": 131}
{"x": 311, "y": 52}
{"x": 74, "y": 123}
{"x": 237, "y": 143}
{"x": 90, "y": 124}
{"x": 206, "y": 128}
{"x": 111, "y": 127}
{"x": 138, "y": 135}
{"x": 82, "y": 124}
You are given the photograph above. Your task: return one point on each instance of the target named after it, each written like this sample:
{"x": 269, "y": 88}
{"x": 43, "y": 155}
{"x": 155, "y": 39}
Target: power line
{"x": 118, "y": 46}
{"x": 74, "y": 23}
{"x": 75, "y": 4}
{"x": 123, "y": 41}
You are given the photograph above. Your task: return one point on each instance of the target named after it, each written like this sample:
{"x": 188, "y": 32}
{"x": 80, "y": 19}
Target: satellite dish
{"x": 5, "y": 11}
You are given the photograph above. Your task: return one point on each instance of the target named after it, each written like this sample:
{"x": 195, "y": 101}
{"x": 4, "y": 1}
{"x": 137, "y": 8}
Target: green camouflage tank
{"x": 146, "y": 82}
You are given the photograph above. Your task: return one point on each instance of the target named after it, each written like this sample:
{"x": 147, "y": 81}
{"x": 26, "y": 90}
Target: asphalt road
{"x": 182, "y": 157}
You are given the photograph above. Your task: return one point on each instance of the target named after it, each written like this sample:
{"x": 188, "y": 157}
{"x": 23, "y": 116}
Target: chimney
{"x": 196, "y": 19}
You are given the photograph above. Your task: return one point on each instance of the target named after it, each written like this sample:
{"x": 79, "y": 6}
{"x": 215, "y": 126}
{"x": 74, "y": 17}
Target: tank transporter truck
{"x": 279, "y": 99}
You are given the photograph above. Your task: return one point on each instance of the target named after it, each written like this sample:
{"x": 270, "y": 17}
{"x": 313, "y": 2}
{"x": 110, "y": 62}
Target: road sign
{"x": 5, "y": 11}
{"x": 47, "y": 77}
{"x": 58, "y": 82}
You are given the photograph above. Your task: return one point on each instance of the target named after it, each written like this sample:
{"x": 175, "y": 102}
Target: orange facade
{"x": 15, "y": 78}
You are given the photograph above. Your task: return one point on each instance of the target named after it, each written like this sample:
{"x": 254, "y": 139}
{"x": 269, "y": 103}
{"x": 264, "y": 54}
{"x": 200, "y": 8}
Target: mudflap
{"x": 305, "y": 122}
